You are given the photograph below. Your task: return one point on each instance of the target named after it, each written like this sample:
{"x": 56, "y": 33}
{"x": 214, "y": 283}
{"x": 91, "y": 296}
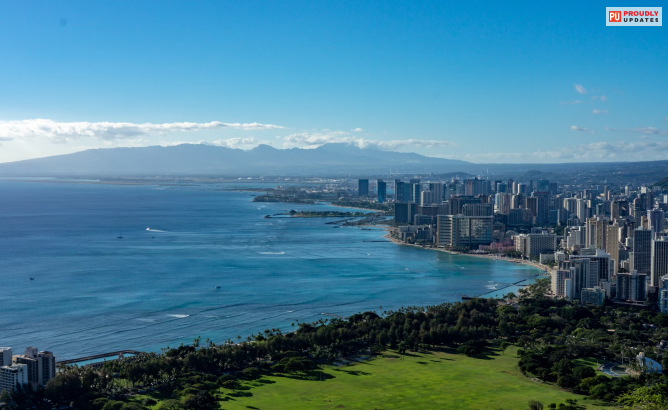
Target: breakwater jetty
{"x": 118, "y": 355}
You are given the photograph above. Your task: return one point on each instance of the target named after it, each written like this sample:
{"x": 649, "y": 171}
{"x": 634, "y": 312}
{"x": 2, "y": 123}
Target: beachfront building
{"x": 41, "y": 366}
{"x": 12, "y": 375}
{"x": 532, "y": 245}
{"x": 464, "y": 231}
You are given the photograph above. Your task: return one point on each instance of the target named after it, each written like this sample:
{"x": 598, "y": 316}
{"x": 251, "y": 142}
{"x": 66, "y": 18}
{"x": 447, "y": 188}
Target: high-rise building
{"x": 631, "y": 286}
{"x": 404, "y": 212}
{"x": 582, "y": 210}
{"x": 522, "y": 189}
{"x": 415, "y": 192}
{"x": 659, "y": 265}
{"x": 597, "y": 232}
{"x": 460, "y": 230}
{"x": 559, "y": 282}
{"x": 642, "y": 251}
{"x": 570, "y": 207}
{"x": 655, "y": 218}
{"x": 41, "y": 365}
{"x": 399, "y": 191}
{"x": 474, "y": 187}
{"x": 12, "y": 375}
{"x": 437, "y": 189}
{"x": 663, "y": 294}
{"x": 601, "y": 260}
{"x": 542, "y": 206}
{"x": 520, "y": 217}
{"x": 612, "y": 239}
{"x": 457, "y": 203}
{"x": 382, "y": 191}
{"x": 583, "y": 274}
{"x": 428, "y": 198}
{"x": 363, "y": 187}
{"x": 543, "y": 185}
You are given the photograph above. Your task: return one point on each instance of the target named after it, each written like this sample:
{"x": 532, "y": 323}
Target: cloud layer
{"x": 313, "y": 140}
{"x": 109, "y": 131}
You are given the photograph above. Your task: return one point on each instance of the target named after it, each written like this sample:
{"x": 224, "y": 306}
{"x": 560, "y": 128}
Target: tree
{"x": 535, "y": 405}
{"x": 645, "y": 398}
{"x": 170, "y": 405}
{"x": 64, "y": 388}
{"x": 202, "y": 401}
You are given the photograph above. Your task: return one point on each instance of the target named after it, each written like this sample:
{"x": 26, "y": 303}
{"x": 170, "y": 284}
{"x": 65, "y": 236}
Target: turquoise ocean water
{"x": 94, "y": 293}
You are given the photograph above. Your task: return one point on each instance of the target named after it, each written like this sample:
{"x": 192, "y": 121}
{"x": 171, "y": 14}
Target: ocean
{"x": 157, "y": 286}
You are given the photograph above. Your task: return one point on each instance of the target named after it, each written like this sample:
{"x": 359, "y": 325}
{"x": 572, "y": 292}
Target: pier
{"x": 119, "y": 355}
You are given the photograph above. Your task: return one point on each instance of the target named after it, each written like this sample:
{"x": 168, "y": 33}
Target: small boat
{"x": 119, "y": 236}
{"x": 217, "y": 286}
{"x": 31, "y": 278}
{"x": 148, "y": 229}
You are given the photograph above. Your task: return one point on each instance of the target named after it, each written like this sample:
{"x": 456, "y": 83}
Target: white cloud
{"x": 314, "y": 140}
{"x": 570, "y": 102}
{"x": 358, "y": 129}
{"x": 599, "y": 111}
{"x": 581, "y": 129}
{"x": 580, "y": 89}
{"x": 109, "y": 131}
{"x": 243, "y": 143}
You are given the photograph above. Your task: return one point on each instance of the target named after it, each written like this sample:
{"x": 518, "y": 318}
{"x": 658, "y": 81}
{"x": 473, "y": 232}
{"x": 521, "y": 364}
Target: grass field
{"x": 437, "y": 380}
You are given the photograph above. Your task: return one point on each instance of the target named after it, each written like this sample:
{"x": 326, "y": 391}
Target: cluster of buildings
{"x": 611, "y": 243}
{"x": 33, "y": 367}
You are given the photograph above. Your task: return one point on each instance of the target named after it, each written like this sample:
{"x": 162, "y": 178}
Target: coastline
{"x": 546, "y": 269}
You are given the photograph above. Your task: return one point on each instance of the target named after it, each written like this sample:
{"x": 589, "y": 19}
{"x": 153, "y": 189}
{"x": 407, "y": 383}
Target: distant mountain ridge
{"x": 200, "y": 159}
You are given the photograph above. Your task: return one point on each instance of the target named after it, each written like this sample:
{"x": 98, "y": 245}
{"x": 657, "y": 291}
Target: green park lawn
{"x": 440, "y": 379}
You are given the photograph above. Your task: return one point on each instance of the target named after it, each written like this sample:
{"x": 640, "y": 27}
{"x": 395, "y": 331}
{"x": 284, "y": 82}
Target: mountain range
{"x": 200, "y": 159}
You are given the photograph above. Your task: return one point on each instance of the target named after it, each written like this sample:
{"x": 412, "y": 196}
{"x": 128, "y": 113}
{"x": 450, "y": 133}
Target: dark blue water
{"x": 94, "y": 293}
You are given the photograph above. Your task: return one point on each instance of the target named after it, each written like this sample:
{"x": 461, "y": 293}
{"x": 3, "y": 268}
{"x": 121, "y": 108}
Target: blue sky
{"x": 479, "y": 81}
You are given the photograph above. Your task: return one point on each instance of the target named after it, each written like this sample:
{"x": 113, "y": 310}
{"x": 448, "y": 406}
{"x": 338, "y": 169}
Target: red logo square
{"x": 615, "y": 17}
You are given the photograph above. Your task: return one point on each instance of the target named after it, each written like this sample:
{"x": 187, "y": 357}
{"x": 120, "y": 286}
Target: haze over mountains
{"x": 198, "y": 159}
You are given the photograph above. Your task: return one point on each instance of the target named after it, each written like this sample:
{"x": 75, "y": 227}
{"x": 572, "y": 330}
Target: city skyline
{"x": 484, "y": 83}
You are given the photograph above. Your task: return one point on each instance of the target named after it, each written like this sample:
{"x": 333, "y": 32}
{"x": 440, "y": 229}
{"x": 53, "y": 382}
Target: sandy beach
{"x": 544, "y": 268}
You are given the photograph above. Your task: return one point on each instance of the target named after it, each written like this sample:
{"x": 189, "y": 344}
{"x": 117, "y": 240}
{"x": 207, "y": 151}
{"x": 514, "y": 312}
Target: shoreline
{"x": 545, "y": 269}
